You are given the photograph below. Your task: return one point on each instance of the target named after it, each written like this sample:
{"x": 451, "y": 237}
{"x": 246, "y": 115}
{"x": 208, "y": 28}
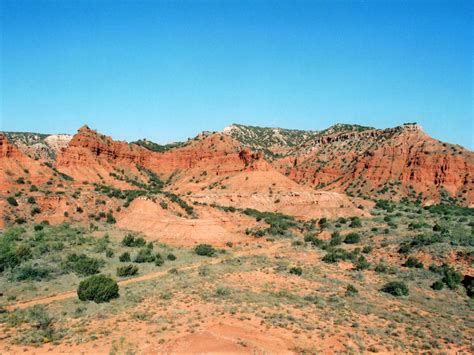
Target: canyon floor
{"x": 305, "y": 286}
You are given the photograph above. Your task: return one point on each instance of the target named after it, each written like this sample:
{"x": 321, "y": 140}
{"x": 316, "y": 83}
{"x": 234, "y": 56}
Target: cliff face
{"x": 391, "y": 163}
{"x": 97, "y": 158}
{"x": 16, "y": 167}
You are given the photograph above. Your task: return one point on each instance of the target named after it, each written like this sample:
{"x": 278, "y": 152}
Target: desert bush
{"x": 367, "y": 249}
{"x": 396, "y": 288}
{"x": 132, "y": 241}
{"x": 205, "y": 250}
{"x": 127, "y": 270}
{"x": 352, "y": 238}
{"x": 83, "y": 265}
{"x": 355, "y": 222}
{"x": 451, "y": 277}
{"x": 437, "y": 285}
{"x": 125, "y": 257}
{"x": 110, "y": 218}
{"x": 351, "y": 290}
{"x": 171, "y": 257}
{"x": 413, "y": 262}
{"x": 159, "y": 261}
{"x": 12, "y": 201}
{"x": 335, "y": 255}
{"x": 30, "y": 272}
{"x": 98, "y": 288}
{"x": 361, "y": 263}
{"x": 296, "y": 271}
{"x": 336, "y": 239}
{"x": 35, "y": 210}
{"x": 468, "y": 283}
{"x": 145, "y": 255}
{"x": 31, "y": 200}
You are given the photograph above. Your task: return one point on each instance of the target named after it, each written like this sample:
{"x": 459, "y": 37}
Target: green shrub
{"x": 12, "y": 201}
{"x": 171, "y": 257}
{"x": 31, "y": 200}
{"x": 98, "y": 288}
{"x": 205, "y": 250}
{"x": 145, "y": 255}
{"x": 452, "y": 279}
{"x": 83, "y": 265}
{"x": 361, "y": 263}
{"x": 413, "y": 262}
{"x": 351, "y": 290}
{"x": 35, "y": 210}
{"x": 336, "y": 239}
{"x": 110, "y": 218}
{"x": 396, "y": 288}
{"x": 125, "y": 257}
{"x": 352, "y": 238}
{"x": 335, "y": 255}
{"x": 127, "y": 270}
{"x": 131, "y": 241}
{"x": 159, "y": 261}
{"x": 437, "y": 285}
{"x": 30, "y": 272}
{"x": 468, "y": 283}
{"x": 355, "y": 222}
{"x": 296, "y": 271}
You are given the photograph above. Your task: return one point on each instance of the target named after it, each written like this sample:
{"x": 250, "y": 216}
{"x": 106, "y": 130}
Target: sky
{"x": 167, "y": 70}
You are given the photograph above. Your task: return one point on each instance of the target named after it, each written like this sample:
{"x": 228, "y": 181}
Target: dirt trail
{"x": 71, "y": 294}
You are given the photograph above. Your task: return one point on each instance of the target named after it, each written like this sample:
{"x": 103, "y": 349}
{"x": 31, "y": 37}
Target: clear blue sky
{"x": 167, "y": 70}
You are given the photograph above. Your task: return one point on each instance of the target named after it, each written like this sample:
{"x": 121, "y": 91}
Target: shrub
{"x": 159, "y": 261}
{"x": 437, "y": 285}
{"x": 205, "y": 250}
{"x": 367, "y": 249}
{"x": 31, "y": 200}
{"x": 361, "y": 263}
{"x": 110, "y": 218}
{"x": 127, "y": 270}
{"x": 296, "y": 271}
{"x": 35, "y": 210}
{"x": 131, "y": 241}
{"x": 452, "y": 278}
{"x": 125, "y": 257}
{"x": 355, "y": 222}
{"x": 12, "y": 201}
{"x": 352, "y": 238}
{"x": 171, "y": 257}
{"x": 98, "y": 288}
{"x": 83, "y": 265}
{"x": 468, "y": 283}
{"x": 396, "y": 288}
{"x": 413, "y": 262}
{"x": 351, "y": 290}
{"x": 336, "y": 239}
{"x": 30, "y": 272}
{"x": 336, "y": 255}
{"x": 144, "y": 255}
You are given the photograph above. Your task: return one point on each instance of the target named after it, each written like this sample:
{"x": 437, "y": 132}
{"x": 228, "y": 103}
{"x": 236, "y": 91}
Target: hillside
{"x": 37, "y": 145}
{"x": 214, "y": 244}
{"x": 277, "y": 142}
